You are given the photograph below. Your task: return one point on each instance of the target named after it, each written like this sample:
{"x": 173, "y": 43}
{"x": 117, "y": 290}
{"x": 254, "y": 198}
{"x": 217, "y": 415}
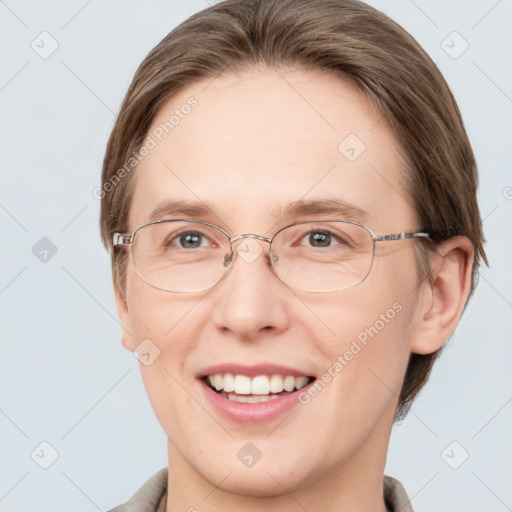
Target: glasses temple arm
{"x": 120, "y": 239}
{"x": 400, "y": 236}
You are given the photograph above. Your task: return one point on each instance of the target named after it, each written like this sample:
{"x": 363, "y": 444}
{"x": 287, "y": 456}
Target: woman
{"x": 290, "y": 202}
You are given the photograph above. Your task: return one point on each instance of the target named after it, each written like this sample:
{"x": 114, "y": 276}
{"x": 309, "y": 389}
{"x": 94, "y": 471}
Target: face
{"x": 254, "y": 145}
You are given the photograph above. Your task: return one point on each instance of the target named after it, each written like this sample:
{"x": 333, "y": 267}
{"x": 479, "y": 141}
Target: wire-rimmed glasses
{"x": 184, "y": 255}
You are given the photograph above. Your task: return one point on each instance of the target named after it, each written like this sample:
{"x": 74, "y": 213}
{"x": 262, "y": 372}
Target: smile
{"x": 261, "y": 388}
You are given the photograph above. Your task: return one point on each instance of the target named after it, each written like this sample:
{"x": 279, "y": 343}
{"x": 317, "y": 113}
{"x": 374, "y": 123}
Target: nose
{"x": 251, "y": 299}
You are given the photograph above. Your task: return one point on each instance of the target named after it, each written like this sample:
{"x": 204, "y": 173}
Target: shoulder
{"x": 149, "y": 497}
{"x": 395, "y": 495}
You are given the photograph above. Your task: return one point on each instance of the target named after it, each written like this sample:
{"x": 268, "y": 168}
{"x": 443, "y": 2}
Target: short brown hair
{"x": 344, "y": 37}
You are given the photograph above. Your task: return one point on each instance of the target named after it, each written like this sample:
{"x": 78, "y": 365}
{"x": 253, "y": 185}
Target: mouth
{"x": 255, "y": 389}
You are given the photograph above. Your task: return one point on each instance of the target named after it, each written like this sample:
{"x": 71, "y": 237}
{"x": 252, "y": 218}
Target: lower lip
{"x": 252, "y": 413}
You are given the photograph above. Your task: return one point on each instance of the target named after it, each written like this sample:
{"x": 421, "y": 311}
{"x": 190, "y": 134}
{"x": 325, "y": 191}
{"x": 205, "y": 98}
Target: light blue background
{"x": 64, "y": 376}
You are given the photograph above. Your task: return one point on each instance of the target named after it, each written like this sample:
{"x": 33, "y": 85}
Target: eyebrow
{"x": 180, "y": 207}
{"x": 328, "y": 206}
{"x": 302, "y": 208}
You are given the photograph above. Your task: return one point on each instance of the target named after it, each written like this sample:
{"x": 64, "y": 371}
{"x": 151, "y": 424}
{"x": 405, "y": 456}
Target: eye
{"x": 187, "y": 240}
{"x": 321, "y": 238}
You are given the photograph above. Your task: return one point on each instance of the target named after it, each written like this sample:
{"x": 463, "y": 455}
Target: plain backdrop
{"x": 65, "y": 379}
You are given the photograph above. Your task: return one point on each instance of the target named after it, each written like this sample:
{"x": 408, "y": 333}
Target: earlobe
{"x": 442, "y": 300}
{"x": 124, "y": 320}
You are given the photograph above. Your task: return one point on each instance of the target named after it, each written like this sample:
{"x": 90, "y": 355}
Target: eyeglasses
{"x": 183, "y": 255}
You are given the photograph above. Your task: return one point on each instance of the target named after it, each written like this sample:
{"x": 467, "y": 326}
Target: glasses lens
{"x": 181, "y": 256}
{"x": 322, "y": 256}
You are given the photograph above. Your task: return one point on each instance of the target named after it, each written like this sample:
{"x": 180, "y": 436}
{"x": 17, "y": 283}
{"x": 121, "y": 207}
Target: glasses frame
{"x": 119, "y": 239}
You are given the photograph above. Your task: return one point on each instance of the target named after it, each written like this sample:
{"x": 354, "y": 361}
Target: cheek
{"x": 169, "y": 326}
{"x": 365, "y": 365}
{"x": 365, "y": 331}
{"x": 367, "y": 349}
{"x": 161, "y": 316}
{"x": 378, "y": 308}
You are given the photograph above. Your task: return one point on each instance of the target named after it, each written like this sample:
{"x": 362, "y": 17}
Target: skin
{"x": 256, "y": 141}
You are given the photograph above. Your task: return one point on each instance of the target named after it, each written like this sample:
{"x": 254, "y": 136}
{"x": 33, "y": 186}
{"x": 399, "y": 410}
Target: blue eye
{"x": 187, "y": 240}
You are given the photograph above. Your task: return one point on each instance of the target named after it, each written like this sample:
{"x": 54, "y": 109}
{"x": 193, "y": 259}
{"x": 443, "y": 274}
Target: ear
{"x": 442, "y": 300}
{"x": 124, "y": 320}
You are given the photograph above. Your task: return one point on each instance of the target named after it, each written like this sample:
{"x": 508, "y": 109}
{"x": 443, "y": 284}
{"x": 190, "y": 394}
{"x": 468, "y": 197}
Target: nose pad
{"x": 248, "y": 249}
{"x": 229, "y": 258}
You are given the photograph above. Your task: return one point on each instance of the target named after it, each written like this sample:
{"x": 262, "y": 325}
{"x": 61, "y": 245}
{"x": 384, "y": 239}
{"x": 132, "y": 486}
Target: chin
{"x": 260, "y": 482}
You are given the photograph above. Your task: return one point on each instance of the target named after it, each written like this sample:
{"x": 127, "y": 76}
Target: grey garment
{"x": 394, "y": 495}
{"x": 152, "y": 496}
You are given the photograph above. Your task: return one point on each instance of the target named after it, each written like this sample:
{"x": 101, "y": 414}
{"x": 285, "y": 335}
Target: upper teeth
{"x": 260, "y": 385}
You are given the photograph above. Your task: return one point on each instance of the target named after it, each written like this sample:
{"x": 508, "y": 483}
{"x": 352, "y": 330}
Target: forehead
{"x": 251, "y": 145}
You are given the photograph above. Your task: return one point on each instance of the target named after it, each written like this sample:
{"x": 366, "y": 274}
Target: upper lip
{"x": 252, "y": 370}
